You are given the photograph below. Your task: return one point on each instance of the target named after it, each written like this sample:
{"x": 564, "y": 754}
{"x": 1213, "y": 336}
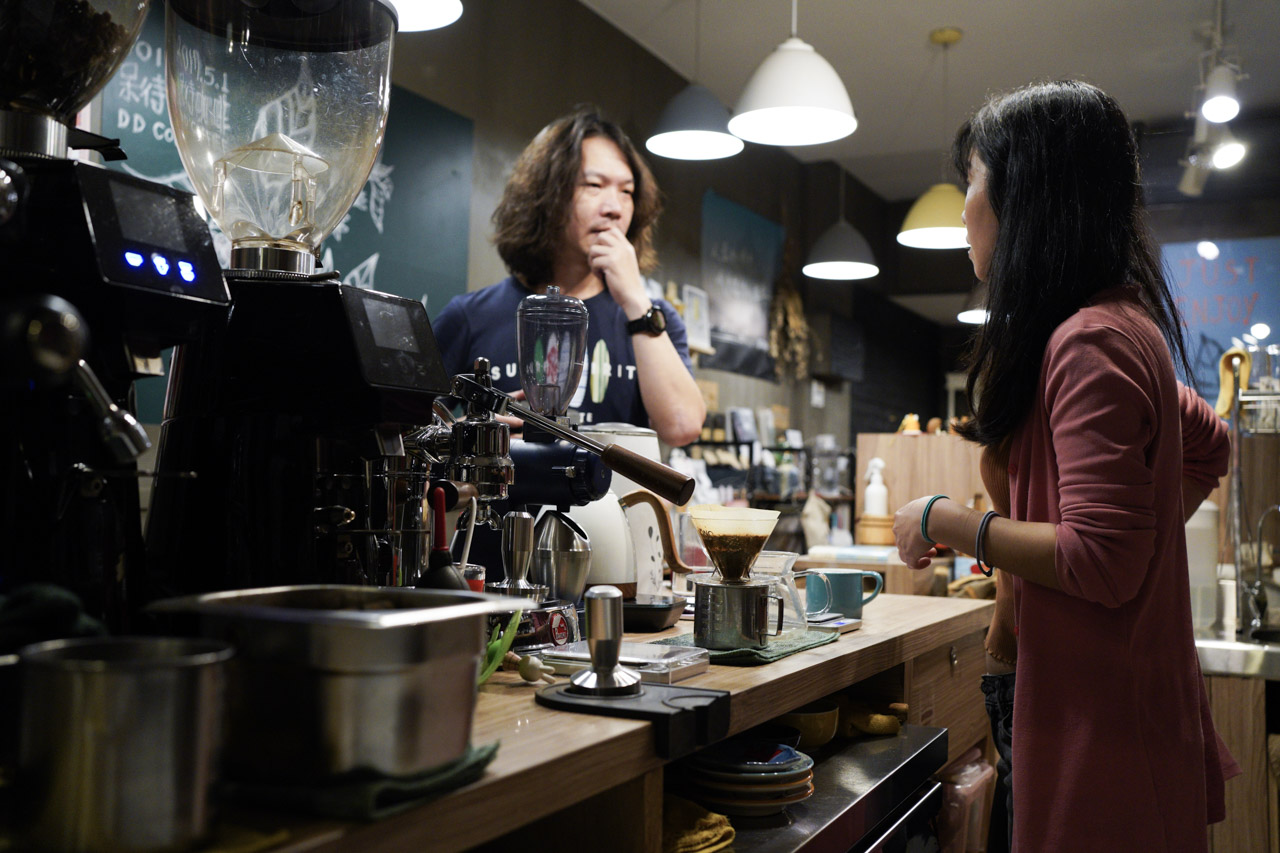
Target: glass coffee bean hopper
{"x": 55, "y": 55}
{"x": 551, "y": 339}
{"x": 279, "y": 109}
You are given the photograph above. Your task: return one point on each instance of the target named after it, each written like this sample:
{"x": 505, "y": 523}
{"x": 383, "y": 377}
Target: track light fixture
{"x": 1218, "y": 76}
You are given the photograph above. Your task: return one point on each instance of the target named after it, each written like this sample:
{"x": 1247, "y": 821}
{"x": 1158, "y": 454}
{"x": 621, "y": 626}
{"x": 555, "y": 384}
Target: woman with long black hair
{"x": 1099, "y": 454}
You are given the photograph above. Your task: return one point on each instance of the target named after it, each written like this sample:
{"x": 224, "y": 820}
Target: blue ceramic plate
{"x": 776, "y": 777}
{"x": 749, "y": 755}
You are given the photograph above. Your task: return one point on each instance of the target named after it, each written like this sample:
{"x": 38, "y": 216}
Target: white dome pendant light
{"x": 934, "y": 222}
{"x": 794, "y": 97}
{"x": 420, "y": 15}
{"x": 841, "y": 253}
{"x": 694, "y": 125}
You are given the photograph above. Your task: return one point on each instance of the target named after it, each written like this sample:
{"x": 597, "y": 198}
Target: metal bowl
{"x": 333, "y": 679}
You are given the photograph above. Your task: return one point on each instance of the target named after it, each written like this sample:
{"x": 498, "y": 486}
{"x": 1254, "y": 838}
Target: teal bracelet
{"x": 924, "y": 518}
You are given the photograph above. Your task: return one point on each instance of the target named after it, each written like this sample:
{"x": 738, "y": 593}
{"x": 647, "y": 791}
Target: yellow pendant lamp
{"x": 933, "y": 222}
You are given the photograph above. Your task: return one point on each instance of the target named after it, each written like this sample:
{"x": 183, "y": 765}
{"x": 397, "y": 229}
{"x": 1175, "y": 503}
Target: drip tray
{"x": 684, "y": 718}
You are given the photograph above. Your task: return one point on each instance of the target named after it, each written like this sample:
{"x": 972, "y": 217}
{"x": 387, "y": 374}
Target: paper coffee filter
{"x": 730, "y": 520}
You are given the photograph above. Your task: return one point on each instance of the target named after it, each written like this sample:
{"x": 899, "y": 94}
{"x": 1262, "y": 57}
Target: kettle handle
{"x": 669, "y": 554}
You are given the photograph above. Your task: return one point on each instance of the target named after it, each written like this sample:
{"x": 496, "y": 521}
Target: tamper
{"x": 604, "y": 640}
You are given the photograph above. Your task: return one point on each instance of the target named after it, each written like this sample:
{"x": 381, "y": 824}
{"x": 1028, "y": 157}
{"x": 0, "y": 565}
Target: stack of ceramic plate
{"x": 748, "y": 778}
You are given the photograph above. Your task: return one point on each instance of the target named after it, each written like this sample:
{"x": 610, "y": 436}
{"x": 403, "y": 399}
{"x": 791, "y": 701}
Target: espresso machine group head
{"x": 102, "y": 271}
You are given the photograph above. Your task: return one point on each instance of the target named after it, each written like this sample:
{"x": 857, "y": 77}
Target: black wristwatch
{"x": 652, "y": 322}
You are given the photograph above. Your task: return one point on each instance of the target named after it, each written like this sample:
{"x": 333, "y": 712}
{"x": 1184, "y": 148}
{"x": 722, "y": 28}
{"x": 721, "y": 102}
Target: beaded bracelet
{"x": 924, "y": 518}
{"x": 979, "y": 553}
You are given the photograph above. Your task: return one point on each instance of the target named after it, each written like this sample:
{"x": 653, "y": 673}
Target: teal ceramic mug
{"x": 848, "y": 593}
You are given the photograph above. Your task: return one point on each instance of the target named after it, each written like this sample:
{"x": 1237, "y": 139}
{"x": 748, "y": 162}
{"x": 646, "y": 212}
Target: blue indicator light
{"x": 133, "y": 259}
{"x": 186, "y": 270}
{"x": 161, "y": 263}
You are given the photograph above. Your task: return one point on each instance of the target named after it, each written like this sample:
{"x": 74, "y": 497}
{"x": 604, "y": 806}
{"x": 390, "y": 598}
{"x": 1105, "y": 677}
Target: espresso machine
{"x": 300, "y": 442}
{"x": 102, "y": 271}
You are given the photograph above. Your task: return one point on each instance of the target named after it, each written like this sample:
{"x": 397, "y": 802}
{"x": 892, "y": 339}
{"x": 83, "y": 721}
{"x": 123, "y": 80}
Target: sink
{"x": 1256, "y": 658}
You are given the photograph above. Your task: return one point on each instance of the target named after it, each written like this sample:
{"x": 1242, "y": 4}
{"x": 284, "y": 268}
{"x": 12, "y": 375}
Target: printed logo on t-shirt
{"x": 600, "y": 365}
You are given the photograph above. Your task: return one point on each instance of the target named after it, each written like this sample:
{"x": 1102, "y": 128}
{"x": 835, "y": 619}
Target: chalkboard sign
{"x": 407, "y": 232}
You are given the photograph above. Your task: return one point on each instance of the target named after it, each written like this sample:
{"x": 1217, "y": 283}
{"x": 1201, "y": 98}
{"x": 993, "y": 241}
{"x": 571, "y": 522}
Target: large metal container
{"x": 329, "y": 680}
{"x": 119, "y": 743}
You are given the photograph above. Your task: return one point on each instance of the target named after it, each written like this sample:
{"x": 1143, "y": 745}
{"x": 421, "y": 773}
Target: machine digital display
{"x": 148, "y": 217}
{"x": 391, "y": 326}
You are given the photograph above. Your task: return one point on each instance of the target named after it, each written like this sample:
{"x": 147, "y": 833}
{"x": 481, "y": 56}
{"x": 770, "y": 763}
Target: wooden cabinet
{"x": 1239, "y": 713}
{"x": 561, "y": 777}
{"x": 943, "y": 690}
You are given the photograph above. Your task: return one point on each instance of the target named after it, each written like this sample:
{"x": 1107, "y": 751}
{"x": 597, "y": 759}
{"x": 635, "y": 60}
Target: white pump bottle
{"x": 875, "y": 500}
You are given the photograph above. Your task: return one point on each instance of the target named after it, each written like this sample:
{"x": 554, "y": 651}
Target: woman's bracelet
{"x": 924, "y": 518}
{"x": 979, "y": 553}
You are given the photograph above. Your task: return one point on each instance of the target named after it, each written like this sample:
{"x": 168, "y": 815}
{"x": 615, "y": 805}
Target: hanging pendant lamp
{"x": 975, "y": 307}
{"x": 419, "y": 15}
{"x": 934, "y": 222}
{"x": 694, "y": 125}
{"x": 841, "y": 253}
{"x": 794, "y": 97}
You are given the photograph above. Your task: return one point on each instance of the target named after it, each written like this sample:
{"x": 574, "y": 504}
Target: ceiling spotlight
{"x": 1228, "y": 151}
{"x": 1211, "y": 147}
{"x": 1207, "y": 249}
{"x": 1193, "y": 179}
{"x": 1220, "y": 102}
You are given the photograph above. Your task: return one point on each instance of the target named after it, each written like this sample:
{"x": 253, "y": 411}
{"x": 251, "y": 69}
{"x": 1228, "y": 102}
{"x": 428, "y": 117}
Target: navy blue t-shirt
{"x": 483, "y": 324}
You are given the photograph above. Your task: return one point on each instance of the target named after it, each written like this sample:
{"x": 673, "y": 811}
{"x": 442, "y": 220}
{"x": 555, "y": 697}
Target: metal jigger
{"x": 606, "y": 677}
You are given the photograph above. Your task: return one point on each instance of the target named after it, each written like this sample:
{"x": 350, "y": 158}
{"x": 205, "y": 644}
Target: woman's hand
{"x": 912, "y": 547}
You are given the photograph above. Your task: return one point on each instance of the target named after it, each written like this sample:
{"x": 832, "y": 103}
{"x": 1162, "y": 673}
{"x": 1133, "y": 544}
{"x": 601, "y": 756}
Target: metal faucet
{"x": 1258, "y": 596}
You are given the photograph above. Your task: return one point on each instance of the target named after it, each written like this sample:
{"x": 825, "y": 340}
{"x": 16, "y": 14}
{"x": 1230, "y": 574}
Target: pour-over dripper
{"x": 551, "y": 339}
{"x": 279, "y": 111}
{"x": 733, "y": 536}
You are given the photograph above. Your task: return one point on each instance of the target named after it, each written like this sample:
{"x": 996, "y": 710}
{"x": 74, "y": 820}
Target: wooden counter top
{"x": 549, "y": 760}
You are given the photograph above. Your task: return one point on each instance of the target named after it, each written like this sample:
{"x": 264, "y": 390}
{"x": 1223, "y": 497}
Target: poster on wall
{"x": 1224, "y": 290}
{"x": 406, "y": 233}
{"x": 741, "y": 258}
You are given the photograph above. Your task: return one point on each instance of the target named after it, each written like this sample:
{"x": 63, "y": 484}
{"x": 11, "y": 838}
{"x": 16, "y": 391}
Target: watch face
{"x": 657, "y": 319}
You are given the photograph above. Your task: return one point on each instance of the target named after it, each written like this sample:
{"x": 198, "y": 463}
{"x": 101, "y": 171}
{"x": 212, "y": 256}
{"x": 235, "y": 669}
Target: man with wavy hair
{"x": 578, "y": 212}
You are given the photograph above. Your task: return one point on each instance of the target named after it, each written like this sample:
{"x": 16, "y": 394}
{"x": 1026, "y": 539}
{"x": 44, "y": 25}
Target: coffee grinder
{"x": 293, "y": 419}
{"x": 547, "y": 561}
{"x": 102, "y": 272}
